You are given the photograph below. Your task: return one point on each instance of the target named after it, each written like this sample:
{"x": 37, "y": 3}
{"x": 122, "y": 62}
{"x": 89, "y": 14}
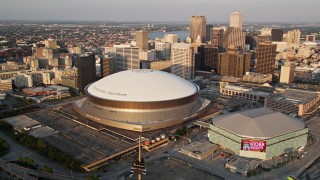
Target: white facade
{"x": 130, "y": 86}
{"x": 164, "y": 48}
{"x": 183, "y": 60}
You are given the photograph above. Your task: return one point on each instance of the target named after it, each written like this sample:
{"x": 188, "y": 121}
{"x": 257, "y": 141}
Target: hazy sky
{"x": 161, "y": 10}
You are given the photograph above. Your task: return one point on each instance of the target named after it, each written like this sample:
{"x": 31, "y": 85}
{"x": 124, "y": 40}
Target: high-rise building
{"x": 266, "y": 57}
{"x": 209, "y": 29}
{"x": 287, "y": 73}
{"x": 294, "y": 36}
{"x": 182, "y": 57}
{"x": 198, "y": 27}
{"x": 262, "y": 38}
{"x": 233, "y": 38}
{"x": 142, "y": 40}
{"x": 126, "y": 58}
{"x": 277, "y": 35}
{"x": 217, "y": 37}
{"x": 233, "y": 63}
{"x": 171, "y": 38}
{"x": 86, "y": 70}
{"x": 266, "y": 31}
{"x": 106, "y": 66}
{"x": 310, "y": 38}
{"x": 207, "y": 58}
{"x": 236, "y": 20}
{"x": 164, "y": 48}
{"x": 252, "y": 41}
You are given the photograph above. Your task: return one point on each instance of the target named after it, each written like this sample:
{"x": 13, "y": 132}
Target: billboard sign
{"x": 253, "y": 145}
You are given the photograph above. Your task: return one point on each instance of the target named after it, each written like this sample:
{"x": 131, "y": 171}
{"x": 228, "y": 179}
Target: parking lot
{"x": 83, "y": 143}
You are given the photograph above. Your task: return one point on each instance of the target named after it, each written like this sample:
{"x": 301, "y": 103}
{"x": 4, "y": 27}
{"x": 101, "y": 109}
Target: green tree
{"x": 92, "y": 177}
{"x": 46, "y": 169}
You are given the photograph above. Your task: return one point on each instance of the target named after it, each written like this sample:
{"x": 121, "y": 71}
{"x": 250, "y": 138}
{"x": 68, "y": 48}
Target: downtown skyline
{"x": 164, "y": 11}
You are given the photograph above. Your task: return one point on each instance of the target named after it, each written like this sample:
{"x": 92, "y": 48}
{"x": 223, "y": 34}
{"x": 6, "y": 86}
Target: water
{"x": 181, "y": 34}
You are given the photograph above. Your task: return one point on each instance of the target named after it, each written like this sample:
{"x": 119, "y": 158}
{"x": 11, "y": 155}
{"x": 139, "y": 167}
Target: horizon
{"x": 153, "y": 11}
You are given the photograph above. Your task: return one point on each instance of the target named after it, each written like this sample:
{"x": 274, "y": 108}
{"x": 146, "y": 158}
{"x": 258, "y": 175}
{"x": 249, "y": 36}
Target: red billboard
{"x": 253, "y": 145}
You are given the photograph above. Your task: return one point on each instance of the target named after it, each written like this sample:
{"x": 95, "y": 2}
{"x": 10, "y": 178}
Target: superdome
{"x": 141, "y": 100}
{"x": 142, "y": 85}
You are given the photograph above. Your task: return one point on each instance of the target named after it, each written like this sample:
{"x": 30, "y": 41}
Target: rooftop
{"x": 258, "y": 123}
{"x": 295, "y": 96}
{"x": 142, "y": 85}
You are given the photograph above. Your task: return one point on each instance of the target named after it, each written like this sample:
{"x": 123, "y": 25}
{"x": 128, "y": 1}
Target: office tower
{"x": 233, "y": 38}
{"x": 106, "y": 66}
{"x": 217, "y": 37}
{"x": 126, "y": 58}
{"x": 171, "y": 38}
{"x": 198, "y": 28}
{"x": 233, "y": 63}
{"x": 276, "y": 35}
{"x": 287, "y": 73}
{"x": 164, "y": 48}
{"x": 262, "y": 38}
{"x": 252, "y": 41}
{"x": 207, "y": 58}
{"x": 310, "y": 38}
{"x": 182, "y": 57}
{"x": 142, "y": 40}
{"x": 209, "y": 32}
{"x": 150, "y": 55}
{"x": 236, "y": 20}
{"x": 266, "y": 31}
{"x": 266, "y": 57}
{"x": 86, "y": 70}
{"x": 294, "y": 36}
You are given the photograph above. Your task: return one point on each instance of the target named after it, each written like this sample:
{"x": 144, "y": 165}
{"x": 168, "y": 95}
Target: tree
{"x": 92, "y": 177}
{"x": 46, "y": 169}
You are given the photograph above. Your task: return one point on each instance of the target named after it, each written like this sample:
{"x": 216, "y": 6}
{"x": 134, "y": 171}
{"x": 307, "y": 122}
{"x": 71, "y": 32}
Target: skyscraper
{"x": 266, "y": 57}
{"x": 182, "y": 57}
{"x": 277, "y": 35}
{"x": 233, "y": 63}
{"x": 164, "y": 48}
{"x": 236, "y": 20}
{"x": 106, "y": 66}
{"x": 233, "y": 38}
{"x": 126, "y": 58}
{"x": 217, "y": 37}
{"x": 198, "y": 27}
{"x": 142, "y": 39}
{"x": 86, "y": 65}
{"x": 207, "y": 58}
{"x": 209, "y": 32}
{"x": 294, "y": 36}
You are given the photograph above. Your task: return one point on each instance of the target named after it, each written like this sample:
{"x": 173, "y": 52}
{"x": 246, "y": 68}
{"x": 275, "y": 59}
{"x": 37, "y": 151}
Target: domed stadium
{"x": 141, "y": 100}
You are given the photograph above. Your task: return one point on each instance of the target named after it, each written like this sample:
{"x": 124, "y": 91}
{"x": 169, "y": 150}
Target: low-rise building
{"x": 298, "y": 102}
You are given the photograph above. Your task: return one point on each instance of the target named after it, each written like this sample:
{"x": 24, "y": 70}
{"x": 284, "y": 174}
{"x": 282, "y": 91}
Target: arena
{"x": 259, "y": 133}
{"x": 141, "y": 100}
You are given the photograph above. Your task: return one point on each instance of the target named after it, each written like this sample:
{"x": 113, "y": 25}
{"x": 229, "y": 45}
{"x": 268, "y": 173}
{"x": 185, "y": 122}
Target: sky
{"x": 161, "y": 10}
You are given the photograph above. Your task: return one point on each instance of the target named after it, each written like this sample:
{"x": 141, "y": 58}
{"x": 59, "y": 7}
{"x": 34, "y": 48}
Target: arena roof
{"x": 258, "y": 123}
{"x": 142, "y": 85}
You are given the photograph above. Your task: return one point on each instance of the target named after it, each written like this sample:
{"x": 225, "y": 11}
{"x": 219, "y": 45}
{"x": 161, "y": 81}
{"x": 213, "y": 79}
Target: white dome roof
{"x": 142, "y": 85}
